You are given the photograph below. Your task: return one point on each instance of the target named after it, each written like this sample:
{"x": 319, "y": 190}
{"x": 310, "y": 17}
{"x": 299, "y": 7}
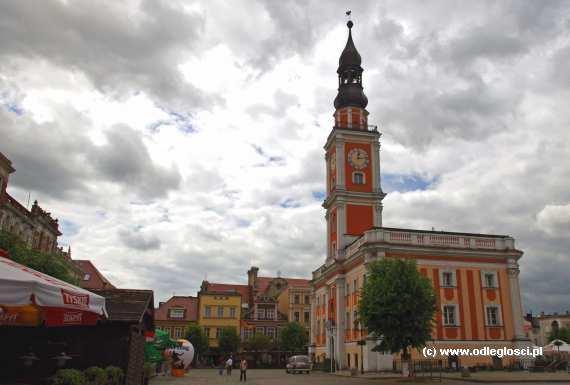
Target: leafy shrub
{"x": 114, "y": 375}
{"x": 69, "y": 377}
{"x": 96, "y": 375}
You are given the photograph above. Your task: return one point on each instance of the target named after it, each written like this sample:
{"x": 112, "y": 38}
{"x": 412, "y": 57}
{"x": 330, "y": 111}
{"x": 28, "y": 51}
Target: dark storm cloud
{"x": 58, "y": 159}
{"x": 136, "y": 240}
{"x": 118, "y": 49}
{"x": 125, "y": 159}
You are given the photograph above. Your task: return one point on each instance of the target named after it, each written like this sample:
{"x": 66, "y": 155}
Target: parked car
{"x": 298, "y": 364}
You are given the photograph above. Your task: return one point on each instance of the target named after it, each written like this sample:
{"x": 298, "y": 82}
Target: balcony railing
{"x": 438, "y": 239}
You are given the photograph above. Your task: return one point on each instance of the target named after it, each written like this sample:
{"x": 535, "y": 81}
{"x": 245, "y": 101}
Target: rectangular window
{"x": 358, "y": 178}
{"x": 167, "y": 330}
{"x": 176, "y": 313}
{"x": 307, "y": 317}
{"x": 232, "y": 312}
{"x": 347, "y": 321}
{"x": 177, "y": 333}
{"x": 247, "y": 332}
{"x": 208, "y": 312}
{"x": 270, "y": 314}
{"x": 447, "y": 279}
{"x": 296, "y": 299}
{"x": 207, "y": 332}
{"x": 270, "y": 332}
{"x": 490, "y": 280}
{"x": 260, "y": 313}
{"x": 307, "y": 300}
{"x": 296, "y": 316}
{"x": 355, "y": 319}
{"x": 220, "y": 312}
{"x": 493, "y": 315}
{"x": 355, "y": 285}
{"x": 449, "y": 315}
{"x": 218, "y": 332}
{"x": 259, "y": 330}
{"x": 347, "y": 289}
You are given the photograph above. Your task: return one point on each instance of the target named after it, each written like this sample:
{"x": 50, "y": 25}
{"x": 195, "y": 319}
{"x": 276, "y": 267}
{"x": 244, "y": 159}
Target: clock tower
{"x": 354, "y": 197}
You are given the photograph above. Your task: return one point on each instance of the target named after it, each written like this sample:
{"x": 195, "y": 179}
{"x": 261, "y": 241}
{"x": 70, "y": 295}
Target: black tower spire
{"x": 350, "y": 91}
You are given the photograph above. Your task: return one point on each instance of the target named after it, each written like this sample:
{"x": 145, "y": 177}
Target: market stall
{"x": 31, "y": 298}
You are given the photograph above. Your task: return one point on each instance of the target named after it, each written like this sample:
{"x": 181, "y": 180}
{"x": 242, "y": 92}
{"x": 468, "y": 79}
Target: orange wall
{"x": 366, "y": 187}
{"x": 471, "y": 299}
{"x": 359, "y": 218}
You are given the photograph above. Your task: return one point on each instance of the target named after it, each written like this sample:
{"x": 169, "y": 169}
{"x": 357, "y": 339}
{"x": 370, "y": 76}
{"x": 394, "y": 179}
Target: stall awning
{"x": 28, "y": 297}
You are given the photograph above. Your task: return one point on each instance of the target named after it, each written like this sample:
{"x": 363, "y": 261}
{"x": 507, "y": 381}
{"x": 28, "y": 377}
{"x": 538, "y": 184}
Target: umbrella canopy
{"x": 28, "y": 296}
{"x": 553, "y": 346}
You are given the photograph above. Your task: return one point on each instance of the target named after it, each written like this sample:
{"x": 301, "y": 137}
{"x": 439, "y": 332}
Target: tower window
{"x": 358, "y": 178}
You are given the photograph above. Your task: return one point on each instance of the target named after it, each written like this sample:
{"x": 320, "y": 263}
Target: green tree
{"x": 399, "y": 304}
{"x": 51, "y": 264}
{"x": 258, "y": 343}
{"x": 293, "y": 337}
{"x": 228, "y": 341}
{"x": 195, "y": 334}
{"x": 559, "y": 334}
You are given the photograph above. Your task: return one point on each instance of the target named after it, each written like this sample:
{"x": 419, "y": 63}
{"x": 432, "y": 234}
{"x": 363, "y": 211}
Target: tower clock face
{"x": 333, "y": 161}
{"x": 358, "y": 158}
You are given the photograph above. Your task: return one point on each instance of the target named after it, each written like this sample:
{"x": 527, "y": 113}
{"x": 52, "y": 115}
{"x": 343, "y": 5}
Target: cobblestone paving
{"x": 279, "y": 377}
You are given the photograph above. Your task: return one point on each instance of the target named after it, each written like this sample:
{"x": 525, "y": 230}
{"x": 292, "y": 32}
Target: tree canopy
{"x": 195, "y": 334}
{"x": 228, "y": 341}
{"x": 293, "y": 337}
{"x": 51, "y": 264}
{"x": 559, "y": 334}
{"x": 258, "y": 342}
{"x": 398, "y": 304}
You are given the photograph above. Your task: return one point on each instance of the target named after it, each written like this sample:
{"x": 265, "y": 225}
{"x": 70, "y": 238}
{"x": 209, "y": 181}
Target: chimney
{"x": 252, "y": 276}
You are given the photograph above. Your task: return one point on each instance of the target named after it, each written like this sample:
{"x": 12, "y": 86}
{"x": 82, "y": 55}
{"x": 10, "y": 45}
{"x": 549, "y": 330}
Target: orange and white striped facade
{"x": 475, "y": 276}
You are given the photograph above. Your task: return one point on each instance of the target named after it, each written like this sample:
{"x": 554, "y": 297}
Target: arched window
{"x": 358, "y": 178}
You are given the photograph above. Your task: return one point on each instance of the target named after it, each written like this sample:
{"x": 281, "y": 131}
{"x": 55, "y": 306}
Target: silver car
{"x": 298, "y": 364}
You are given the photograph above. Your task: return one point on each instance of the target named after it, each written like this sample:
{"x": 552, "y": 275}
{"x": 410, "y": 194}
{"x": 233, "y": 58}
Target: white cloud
{"x": 180, "y": 139}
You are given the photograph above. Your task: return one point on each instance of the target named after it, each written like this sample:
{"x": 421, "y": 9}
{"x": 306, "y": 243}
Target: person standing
{"x": 243, "y": 370}
{"x": 229, "y": 364}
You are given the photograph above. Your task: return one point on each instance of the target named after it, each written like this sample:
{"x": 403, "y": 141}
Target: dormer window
{"x": 358, "y": 178}
{"x": 176, "y": 313}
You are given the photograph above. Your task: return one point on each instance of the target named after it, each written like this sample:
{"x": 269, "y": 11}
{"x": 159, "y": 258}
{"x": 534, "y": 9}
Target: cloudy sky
{"x": 182, "y": 140}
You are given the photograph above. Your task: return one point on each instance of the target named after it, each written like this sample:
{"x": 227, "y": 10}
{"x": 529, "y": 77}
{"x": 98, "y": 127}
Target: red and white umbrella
{"x": 30, "y": 298}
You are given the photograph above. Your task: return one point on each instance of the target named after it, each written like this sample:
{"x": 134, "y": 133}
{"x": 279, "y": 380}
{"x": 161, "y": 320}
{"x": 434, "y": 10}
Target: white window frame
{"x": 270, "y": 332}
{"x": 171, "y": 312}
{"x": 233, "y": 312}
{"x": 297, "y": 316}
{"x": 499, "y": 315}
{"x": 455, "y": 314}
{"x": 484, "y": 274}
{"x": 247, "y": 333}
{"x": 177, "y": 332}
{"x": 270, "y": 313}
{"x": 260, "y": 313}
{"x": 354, "y": 177}
{"x": 453, "y": 282}
{"x": 259, "y": 329}
{"x": 207, "y": 331}
{"x": 208, "y": 312}
{"x": 220, "y": 310}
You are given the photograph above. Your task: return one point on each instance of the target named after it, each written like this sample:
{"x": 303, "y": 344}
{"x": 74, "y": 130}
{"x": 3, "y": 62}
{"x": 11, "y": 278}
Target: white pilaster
{"x": 340, "y": 355}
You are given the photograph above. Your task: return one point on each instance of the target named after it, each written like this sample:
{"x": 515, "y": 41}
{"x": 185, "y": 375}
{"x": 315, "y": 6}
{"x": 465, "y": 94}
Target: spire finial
{"x": 349, "y": 24}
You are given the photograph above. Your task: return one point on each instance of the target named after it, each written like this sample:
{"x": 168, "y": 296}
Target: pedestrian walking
{"x": 229, "y": 364}
{"x": 243, "y": 370}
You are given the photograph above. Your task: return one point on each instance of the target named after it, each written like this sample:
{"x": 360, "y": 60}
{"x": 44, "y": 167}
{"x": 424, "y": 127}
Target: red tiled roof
{"x": 190, "y": 304}
{"x": 263, "y": 283}
{"x": 95, "y": 280}
{"x": 243, "y": 290}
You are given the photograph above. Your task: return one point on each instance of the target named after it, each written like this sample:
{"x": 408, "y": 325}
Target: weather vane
{"x": 348, "y": 13}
